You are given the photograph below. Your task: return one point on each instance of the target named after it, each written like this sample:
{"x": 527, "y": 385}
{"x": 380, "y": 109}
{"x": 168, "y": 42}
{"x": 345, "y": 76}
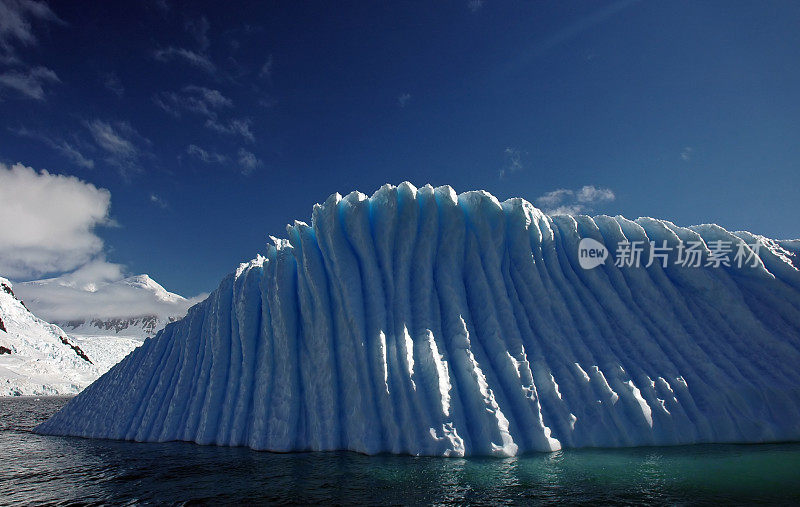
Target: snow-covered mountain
{"x": 421, "y": 321}
{"x": 136, "y": 307}
{"x": 105, "y": 320}
{"x": 39, "y": 358}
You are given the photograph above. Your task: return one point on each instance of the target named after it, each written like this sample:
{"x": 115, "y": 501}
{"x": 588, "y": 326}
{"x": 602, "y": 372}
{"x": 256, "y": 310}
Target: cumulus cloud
{"x": 185, "y": 55}
{"x": 47, "y": 221}
{"x": 47, "y": 225}
{"x": 564, "y": 201}
{"x": 590, "y": 194}
{"x": 30, "y": 82}
{"x": 120, "y": 142}
{"x": 554, "y": 197}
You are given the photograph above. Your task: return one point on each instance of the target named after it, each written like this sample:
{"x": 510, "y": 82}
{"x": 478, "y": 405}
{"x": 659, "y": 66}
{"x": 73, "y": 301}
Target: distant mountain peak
{"x": 145, "y": 282}
{"x": 135, "y": 306}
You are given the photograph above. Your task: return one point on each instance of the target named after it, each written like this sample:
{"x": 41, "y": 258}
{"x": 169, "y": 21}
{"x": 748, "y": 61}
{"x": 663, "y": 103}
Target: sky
{"x": 172, "y": 138}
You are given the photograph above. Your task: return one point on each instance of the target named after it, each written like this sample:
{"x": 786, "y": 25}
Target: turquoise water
{"x": 42, "y": 469}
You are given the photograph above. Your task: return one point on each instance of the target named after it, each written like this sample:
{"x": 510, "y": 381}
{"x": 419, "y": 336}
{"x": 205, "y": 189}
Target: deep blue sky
{"x": 688, "y": 111}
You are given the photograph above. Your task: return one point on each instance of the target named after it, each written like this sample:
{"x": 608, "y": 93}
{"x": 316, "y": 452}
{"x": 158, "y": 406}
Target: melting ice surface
{"x": 424, "y": 322}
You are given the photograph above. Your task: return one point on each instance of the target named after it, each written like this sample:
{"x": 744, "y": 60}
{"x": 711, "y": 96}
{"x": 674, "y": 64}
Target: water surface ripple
{"x": 64, "y": 470}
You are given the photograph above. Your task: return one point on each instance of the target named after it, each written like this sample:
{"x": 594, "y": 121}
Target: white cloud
{"x": 513, "y": 161}
{"x": 267, "y": 102}
{"x": 72, "y": 153}
{"x": 403, "y": 99}
{"x": 569, "y": 209}
{"x": 193, "y": 99}
{"x": 30, "y": 82}
{"x": 266, "y": 69}
{"x": 248, "y": 162}
{"x": 590, "y": 194}
{"x": 474, "y": 5}
{"x": 192, "y": 58}
{"x": 113, "y": 84}
{"x": 68, "y": 150}
{"x": 92, "y": 273}
{"x": 16, "y": 20}
{"x": 16, "y": 28}
{"x": 207, "y": 103}
{"x": 98, "y": 290}
{"x": 211, "y": 97}
{"x": 554, "y": 197}
{"x": 158, "y": 201}
{"x": 236, "y": 126}
{"x": 564, "y": 201}
{"x": 208, "y": 157}
{"x": 199, "y": 30}
{"x": 47, "y": 221}
{"x": 686, "y": 154}
{"x": 111, "y": 139}
{"x": 47, "y": 224}
{"x": 571, "y": 31}
{"x": 162, "y": 6}
{"x": 120, "y": 142}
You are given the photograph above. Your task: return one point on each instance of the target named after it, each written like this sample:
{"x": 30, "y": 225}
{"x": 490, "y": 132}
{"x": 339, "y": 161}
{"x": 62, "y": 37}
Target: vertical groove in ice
{"x": 425, "y": 322}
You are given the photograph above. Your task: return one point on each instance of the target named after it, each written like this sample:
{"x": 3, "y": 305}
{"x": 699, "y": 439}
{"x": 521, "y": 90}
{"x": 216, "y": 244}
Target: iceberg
{"x": 425, "y": 322}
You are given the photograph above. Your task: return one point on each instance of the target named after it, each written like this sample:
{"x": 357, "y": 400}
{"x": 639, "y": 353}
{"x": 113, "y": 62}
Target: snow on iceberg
{"x": 424, "y": 322}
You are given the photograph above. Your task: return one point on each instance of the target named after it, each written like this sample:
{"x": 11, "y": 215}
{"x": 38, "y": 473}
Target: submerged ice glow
{"x": 424, "y": 322}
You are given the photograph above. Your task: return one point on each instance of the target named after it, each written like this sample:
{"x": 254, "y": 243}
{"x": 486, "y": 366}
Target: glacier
{"x": 38, "y": 358}
{"x": 426, "y": 322}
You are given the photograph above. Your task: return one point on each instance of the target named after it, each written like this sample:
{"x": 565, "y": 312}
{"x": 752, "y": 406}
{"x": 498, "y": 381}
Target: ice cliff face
{"x": 425, "y": 322}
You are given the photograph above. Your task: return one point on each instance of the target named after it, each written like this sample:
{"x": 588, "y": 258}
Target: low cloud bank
{"x": 81, "y": 297}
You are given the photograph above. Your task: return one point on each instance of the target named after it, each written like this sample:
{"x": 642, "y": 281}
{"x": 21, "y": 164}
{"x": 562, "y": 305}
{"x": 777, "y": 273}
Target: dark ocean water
{"x": 38, "y": 469}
